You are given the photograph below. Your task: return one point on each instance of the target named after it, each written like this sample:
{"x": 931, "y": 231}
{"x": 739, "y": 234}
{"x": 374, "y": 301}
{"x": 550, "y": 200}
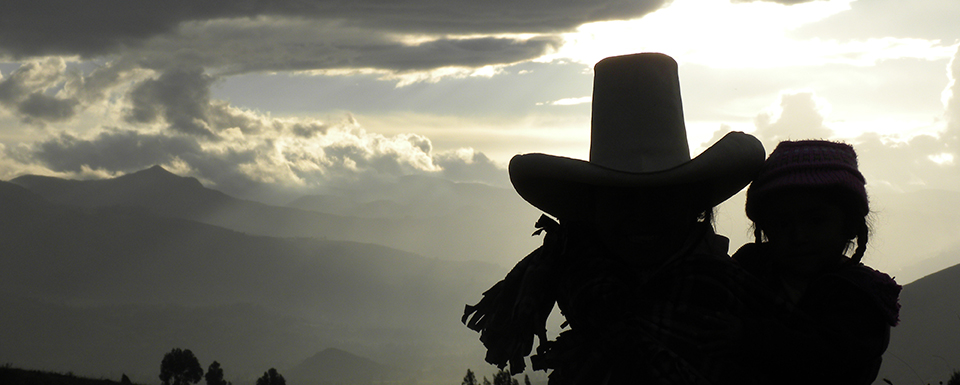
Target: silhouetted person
{"x": 646, "y": 286}
{"x": 808, "y": 205}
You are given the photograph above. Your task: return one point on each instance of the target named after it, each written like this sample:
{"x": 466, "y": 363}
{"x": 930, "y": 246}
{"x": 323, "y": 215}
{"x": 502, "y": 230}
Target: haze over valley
{"x": 105, "y": 276}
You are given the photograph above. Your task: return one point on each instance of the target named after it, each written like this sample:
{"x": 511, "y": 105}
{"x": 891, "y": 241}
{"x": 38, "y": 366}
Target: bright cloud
{"x": 570, "y": 101}
{"x": 740, "y": 35}
{"x": 943, "y": 158}
{"x": 900, "y": 163}
{"x": 171, "y": 119}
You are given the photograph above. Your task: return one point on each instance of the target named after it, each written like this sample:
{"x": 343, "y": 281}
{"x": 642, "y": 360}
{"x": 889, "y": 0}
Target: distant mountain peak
{"x": 153, "y": 188}
{"x": 158, "y": 174}
{"x": 156, "y": 168}
{"x": 332, "y": 364}
{"x": 335, "y": 355}
{"x": 155, "y": 171}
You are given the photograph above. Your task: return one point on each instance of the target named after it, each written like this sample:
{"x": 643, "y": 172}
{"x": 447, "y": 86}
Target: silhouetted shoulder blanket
{"x": 676, "y": 323}
{"x": 838, "y": 330}
{"x": 679, "y": 321}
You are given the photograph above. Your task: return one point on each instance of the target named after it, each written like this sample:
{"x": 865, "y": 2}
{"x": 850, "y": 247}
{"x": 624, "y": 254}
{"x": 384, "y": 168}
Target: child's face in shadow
{"x": 806, "y": 229}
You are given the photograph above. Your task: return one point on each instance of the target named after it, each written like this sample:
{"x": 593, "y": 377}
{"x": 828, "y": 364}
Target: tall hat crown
{"x": 637, "y": 115}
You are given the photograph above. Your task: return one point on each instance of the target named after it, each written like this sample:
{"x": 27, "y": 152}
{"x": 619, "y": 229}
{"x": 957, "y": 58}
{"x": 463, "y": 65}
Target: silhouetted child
{"x": 808, "y": 205}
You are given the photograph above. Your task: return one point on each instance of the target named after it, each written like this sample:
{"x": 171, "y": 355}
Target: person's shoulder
{"x": 752, "y": 257}
{"x": 864, "y": 276}
{"x": 748, "y": 251}
{"x": 879, "y": 287}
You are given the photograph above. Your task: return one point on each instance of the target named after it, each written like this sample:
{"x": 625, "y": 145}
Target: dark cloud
{"x": 420, "y": 142}
{"x": 65, "y": 27}
{"x": 220, "y": 115}
{"x": 462, "y": 52}
{"x": 233, "y": 149}
{"x": 47, "y": 91}
{"x": 123, "y": 151}
{"x": 249, "y": 151}
{"x": 485, "y": 16}
{"x": 237, "y": 34}
{"x": 232, "y": 47}
{"x": 307, "y": 130}
{"x": 47, "y": 108}
{"x": 93, "y": 86}
{"x": 225, "y": 170}
{"x": 510, "y": 93}
{"x": 115, "y": 151}
{"x": 11, "y": 90}
{"x": 342, "y": 154}
{"x": 25, "y": 92}
{"x": 181, "y": 97}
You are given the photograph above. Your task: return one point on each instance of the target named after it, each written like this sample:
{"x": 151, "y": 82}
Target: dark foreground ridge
{"x": 14, "y": 376}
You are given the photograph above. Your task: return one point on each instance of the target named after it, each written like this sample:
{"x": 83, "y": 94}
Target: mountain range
{"x": 423, "y": 215}
{"x": 337, "y": 366}
{"x": 925, "y": 346}
{"x": 105, "y": 276}
{"x": 89, "y": 288}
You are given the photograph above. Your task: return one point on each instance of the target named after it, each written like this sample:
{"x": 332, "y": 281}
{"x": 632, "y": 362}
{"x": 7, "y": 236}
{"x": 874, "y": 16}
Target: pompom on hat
{"x": 809, "y": 164}
{"x": 638, "y": 140}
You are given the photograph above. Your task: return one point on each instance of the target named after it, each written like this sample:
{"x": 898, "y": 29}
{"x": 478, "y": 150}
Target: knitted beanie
{"x": 805, "y": 164}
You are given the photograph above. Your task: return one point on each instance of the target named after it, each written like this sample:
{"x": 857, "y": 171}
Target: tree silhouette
{"x": 180, "y": 367}
{"x": 503, "y": 377}
{"x": 214, "y": 375}
{"x": 469, "y": 379}
{"x": 954, "y": 379}
{"x": 271, "y": 377}
{"x": 526, "y": 379}
{"x": 486, "y": 381}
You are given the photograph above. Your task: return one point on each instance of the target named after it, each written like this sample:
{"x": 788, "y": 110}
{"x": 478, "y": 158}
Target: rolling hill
{"x": 427, "y": 216}
{"x": 335, "y": 366}
{"x": 110, "y": 274}
{"x": 925, "y": 347}
{"x": 113, "y": 288}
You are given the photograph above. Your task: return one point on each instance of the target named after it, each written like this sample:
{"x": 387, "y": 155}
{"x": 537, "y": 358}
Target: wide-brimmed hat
{"x": 638, "y": 140}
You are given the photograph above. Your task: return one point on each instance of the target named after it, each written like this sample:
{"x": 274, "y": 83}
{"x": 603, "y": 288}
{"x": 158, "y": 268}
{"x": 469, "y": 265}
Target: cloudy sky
{"x": 254, "y": 97}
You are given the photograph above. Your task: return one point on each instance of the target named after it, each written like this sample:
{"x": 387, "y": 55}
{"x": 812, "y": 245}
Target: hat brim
{"x": 563, "y": 187}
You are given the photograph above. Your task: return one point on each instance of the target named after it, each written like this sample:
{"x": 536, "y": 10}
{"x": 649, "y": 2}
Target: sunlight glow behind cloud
{"x": 569, "y": 101}
{"x": 942, "y": 158}
{"x": 745, "y": 35}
